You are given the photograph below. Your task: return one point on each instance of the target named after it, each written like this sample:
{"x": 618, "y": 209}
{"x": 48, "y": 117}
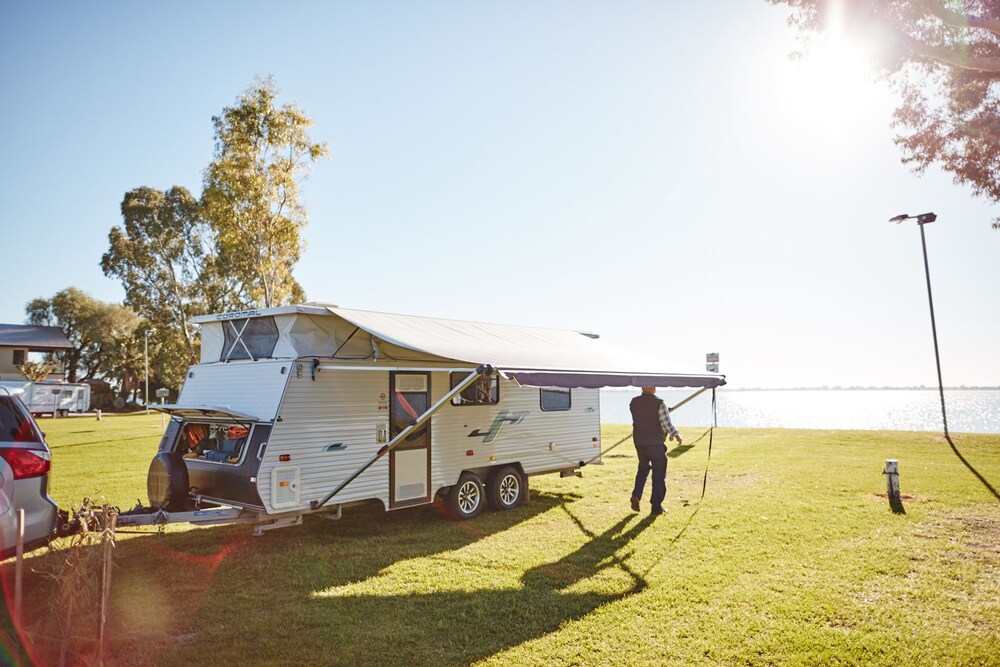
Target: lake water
{"x": 969, "y": 410}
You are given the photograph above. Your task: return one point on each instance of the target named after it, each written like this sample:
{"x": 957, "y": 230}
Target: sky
{"x": 660, "y": 173}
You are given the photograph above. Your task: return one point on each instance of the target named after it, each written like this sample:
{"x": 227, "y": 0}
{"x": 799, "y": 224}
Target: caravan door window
{"x": 221, "y": 443}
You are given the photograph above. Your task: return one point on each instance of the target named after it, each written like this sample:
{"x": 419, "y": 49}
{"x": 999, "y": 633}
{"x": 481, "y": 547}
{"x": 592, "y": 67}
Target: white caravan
{"x": 310, "y": 408}
{"x": 55, "y": 398}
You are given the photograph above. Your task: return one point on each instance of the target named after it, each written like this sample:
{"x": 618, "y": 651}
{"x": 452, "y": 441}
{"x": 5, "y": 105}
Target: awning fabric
{"x": 531, "y": 356}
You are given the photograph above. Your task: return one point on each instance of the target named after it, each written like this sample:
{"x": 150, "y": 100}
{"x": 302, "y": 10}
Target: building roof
{"x": 40, "y": 339}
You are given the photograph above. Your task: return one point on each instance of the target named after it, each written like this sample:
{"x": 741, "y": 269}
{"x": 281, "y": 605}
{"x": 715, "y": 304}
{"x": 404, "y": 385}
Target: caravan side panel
{"x": 328, "y": 428}
{"x": 515, "y": 430}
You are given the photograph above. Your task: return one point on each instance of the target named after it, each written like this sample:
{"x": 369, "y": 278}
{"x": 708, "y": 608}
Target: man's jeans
{"x": 652, "y": 458}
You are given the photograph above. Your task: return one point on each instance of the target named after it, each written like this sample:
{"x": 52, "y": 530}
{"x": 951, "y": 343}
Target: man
{"x": 650, "y": 426}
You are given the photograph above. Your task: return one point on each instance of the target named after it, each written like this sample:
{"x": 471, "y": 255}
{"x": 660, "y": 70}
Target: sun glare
{"x": 830, "y": 88}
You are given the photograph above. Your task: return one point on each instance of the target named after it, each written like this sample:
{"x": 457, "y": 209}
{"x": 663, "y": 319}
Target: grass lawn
{"x": 793, "y": 557}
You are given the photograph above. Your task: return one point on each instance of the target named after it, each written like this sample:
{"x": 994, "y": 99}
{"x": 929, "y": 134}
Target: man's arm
{"x": 667, "y": 425}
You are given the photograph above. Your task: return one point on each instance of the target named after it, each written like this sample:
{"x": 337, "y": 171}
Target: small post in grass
{"x": 892, "y": 479}
{"x": 110, "y": 517}
{"x": 892, "y": 485}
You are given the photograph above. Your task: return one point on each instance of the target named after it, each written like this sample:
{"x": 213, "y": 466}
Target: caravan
{"x": 311, "y": 408}
{"x": 55, "y": 398}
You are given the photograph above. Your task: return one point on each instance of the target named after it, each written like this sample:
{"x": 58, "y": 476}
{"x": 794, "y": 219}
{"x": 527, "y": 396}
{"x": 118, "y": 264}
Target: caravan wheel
{"x": 506, "y": 489}
{"x": 465, "y": 500}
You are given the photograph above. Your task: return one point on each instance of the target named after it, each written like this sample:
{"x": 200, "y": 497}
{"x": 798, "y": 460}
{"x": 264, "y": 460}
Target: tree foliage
{"x": 944, "y": 60}
{"x": 178, "y": 256}
{"x": 164, "y": 256}
{"x": 96, "y": 330}
{"x": 251, "y": 195}
{"x": 37, "y": 371}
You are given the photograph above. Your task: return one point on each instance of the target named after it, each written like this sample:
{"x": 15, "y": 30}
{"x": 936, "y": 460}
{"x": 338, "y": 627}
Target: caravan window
{"x": 555, "y": 399}
{"x": 218, "y": 442}
{"x": 253, "y": 338}
{"x": 484, "y": 391}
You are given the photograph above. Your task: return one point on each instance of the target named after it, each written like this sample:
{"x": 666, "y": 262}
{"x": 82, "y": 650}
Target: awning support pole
{"x": 694, "y": 395}
{"x": 416, "y": 423}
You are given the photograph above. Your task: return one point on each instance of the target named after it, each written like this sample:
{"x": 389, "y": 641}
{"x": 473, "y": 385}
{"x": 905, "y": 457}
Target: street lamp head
{"x": 921, "y": 219}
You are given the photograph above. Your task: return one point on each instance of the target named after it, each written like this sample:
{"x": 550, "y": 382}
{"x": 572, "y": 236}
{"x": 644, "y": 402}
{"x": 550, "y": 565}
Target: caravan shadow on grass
{"x": 379, "y": 622}
{"x": 208, "y": 591}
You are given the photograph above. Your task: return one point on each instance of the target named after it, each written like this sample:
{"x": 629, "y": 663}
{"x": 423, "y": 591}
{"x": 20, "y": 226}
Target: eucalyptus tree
{"x": 251, "y": 194}
{"x": 163, "y": 254}
{"x": 943, "y": 58}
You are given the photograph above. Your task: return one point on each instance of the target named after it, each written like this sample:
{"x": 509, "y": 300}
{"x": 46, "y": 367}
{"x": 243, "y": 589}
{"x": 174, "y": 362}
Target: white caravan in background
{"x": 55, "y": 398}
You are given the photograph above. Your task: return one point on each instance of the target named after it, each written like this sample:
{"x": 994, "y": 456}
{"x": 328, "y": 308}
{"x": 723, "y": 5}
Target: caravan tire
{"x": 506, "y": 489}
{"x": 167, "y": 482}
{"x": 466, "y": 499}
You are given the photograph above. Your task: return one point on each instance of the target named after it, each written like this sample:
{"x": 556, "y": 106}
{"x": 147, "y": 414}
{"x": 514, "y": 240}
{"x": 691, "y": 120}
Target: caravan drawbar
{"x": 311, "y": 408}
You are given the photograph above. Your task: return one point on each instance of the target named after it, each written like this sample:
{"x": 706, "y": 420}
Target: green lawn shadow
{"x": 189, "y": 594}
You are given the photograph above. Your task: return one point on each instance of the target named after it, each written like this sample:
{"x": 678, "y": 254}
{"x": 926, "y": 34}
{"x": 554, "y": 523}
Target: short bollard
{"x": 891, "y": 473}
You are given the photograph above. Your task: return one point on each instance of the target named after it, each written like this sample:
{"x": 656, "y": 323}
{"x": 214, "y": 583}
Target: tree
{"x": 945, "y": 65}
{"x": 164, "y": 255}
{"x": 262, "y": 153}
{"x": 93, "y": 327}
{"x": 37, "y": 371}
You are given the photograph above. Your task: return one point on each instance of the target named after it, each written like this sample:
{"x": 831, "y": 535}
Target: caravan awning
{"x": 531, "y": 356}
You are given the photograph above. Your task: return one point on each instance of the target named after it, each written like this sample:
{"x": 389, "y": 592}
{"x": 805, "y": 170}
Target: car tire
{"x": 506, "y": 489}
{"x": 167, "y": 482}
{"x": 466, "y": 499}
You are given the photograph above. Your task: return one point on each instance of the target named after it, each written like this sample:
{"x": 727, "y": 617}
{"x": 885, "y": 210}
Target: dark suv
{"x": 24, "y": 475}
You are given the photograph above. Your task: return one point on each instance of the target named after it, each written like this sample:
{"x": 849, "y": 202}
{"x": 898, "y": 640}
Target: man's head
{"x": 649, "y": 390}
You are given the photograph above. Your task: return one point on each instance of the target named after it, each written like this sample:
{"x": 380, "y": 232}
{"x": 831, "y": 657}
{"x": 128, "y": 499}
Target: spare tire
{"x": 167, "y": 482}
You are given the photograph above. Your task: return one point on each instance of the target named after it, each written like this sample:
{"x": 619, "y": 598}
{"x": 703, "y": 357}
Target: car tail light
{"x": 26, "y": 462}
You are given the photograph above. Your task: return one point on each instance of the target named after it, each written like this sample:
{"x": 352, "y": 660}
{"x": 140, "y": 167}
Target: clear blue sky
{"x": 658, "y": 172}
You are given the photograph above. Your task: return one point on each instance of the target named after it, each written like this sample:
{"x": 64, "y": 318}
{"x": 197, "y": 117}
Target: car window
{"x": 15, "y": 422}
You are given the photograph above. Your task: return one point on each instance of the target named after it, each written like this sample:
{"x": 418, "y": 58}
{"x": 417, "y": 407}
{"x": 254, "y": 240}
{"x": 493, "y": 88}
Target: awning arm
{"x": 392, "y": 444}
{"x": 694, "y": 395}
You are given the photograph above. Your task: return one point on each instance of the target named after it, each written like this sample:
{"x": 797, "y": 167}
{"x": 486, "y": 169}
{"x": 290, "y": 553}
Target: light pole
{"x": 922, "y": 220}
{"x": 145, "y": 354}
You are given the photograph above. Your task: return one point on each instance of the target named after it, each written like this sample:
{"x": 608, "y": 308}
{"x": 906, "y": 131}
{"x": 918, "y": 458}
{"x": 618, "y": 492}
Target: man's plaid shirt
{"x": 665, "y": 423}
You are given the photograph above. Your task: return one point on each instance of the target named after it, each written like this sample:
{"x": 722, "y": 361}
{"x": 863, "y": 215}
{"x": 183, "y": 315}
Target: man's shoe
{"x": 635, "y": 504}
{"x": 657, "y": 510}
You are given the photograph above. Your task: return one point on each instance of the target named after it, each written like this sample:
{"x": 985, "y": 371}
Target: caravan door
{"x": 410, "y": 461}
